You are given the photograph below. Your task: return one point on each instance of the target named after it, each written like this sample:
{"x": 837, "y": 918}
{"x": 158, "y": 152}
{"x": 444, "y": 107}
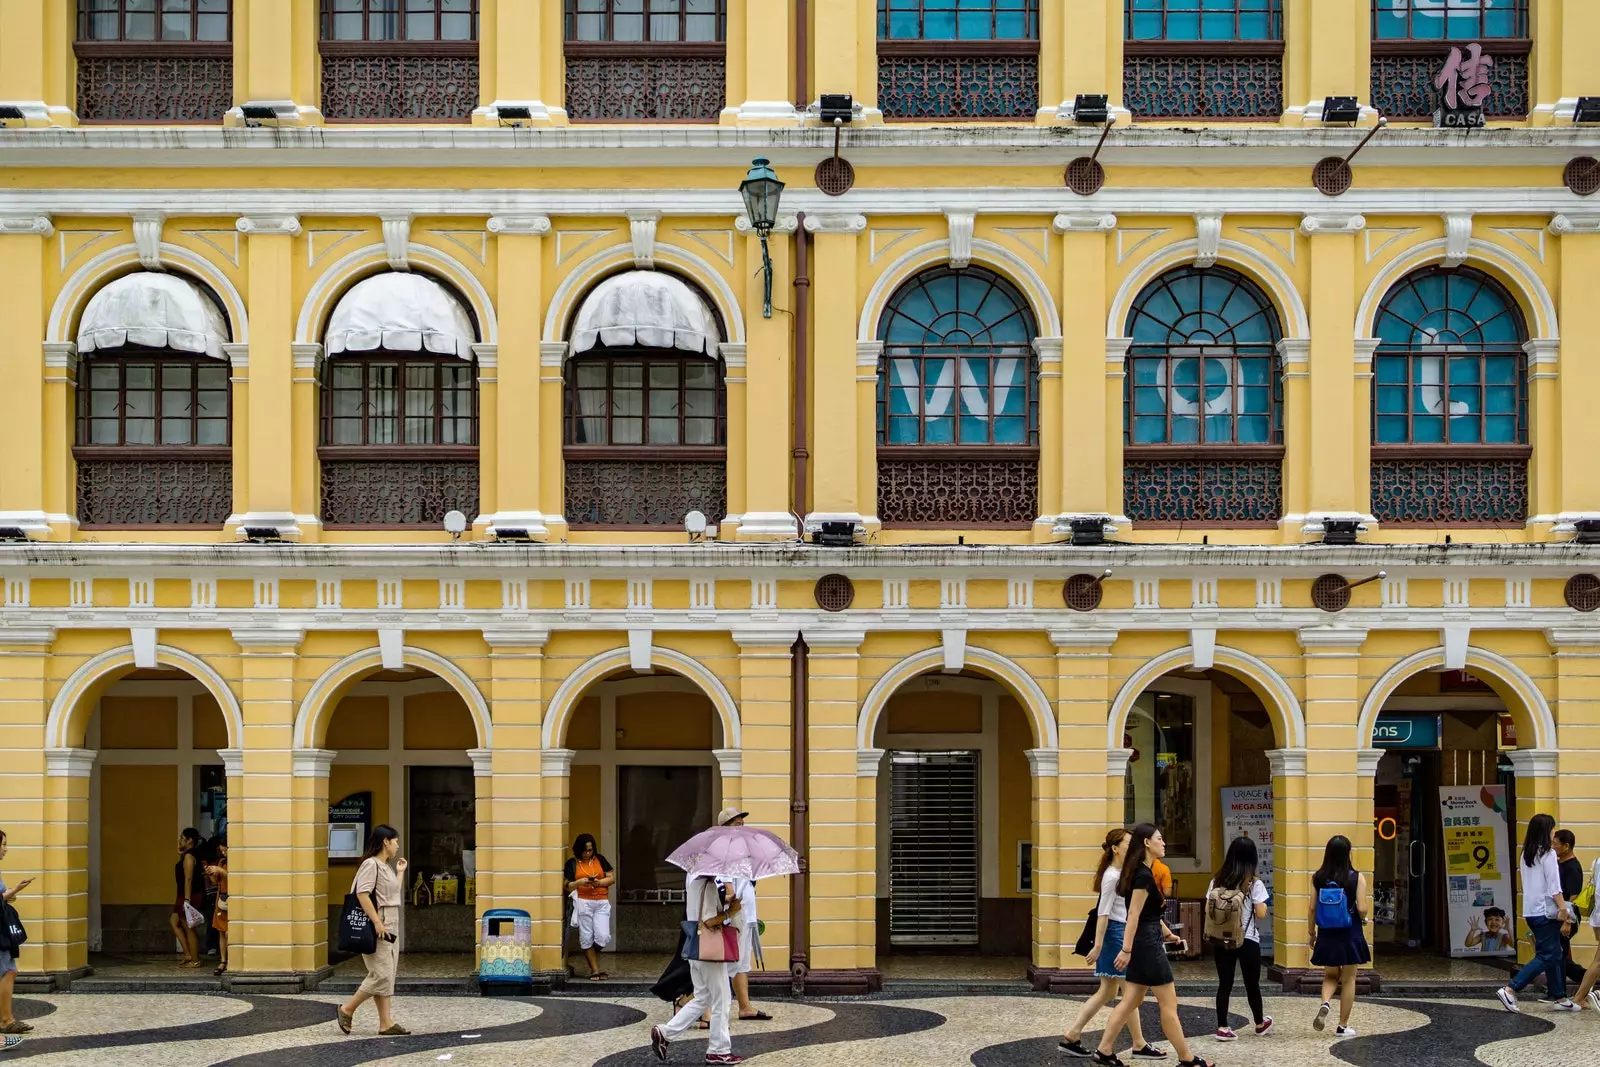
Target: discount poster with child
{"x": 1477, "y": 865}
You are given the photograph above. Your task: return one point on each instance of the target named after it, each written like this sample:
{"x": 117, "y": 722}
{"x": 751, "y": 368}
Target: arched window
{"x": 646, "y": 408}
{"x": 958, "y": 403}
{"x": 399, "y": 442}
{"x": 154, "y": 407}
{"x": 1450, "y": 401}
{"x": 1203, "y": 422}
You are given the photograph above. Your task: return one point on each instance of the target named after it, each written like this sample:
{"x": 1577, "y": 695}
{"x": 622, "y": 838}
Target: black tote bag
{"x": 1086, "y": 939}
{"x": 356, "y": 932}
{"x": 13, "y": 935}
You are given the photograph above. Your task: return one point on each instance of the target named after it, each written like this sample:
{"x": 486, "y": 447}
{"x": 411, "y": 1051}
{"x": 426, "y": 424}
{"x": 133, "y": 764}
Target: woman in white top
{"x": 1112, "y": 920}
{"x": 1544, "y": 909}
{"x": 1238, "y": 875}
{"x": 1587, "y": 992}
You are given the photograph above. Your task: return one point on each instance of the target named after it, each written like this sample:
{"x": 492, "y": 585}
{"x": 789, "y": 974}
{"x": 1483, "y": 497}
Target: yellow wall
{"x": 359, "y": 723}
{"x": 343, "y": 780}
{"x": 138, "y": 834}
{"x": 1016, "y": 792}
{"x": 138, "y": 722}
{"x": 585, "y": 817}
{"x": 664, "y": 720}
{"x": 439, "y": 721}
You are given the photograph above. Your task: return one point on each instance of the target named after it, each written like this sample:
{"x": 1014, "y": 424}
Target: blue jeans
{"x": 1547, "y": 958}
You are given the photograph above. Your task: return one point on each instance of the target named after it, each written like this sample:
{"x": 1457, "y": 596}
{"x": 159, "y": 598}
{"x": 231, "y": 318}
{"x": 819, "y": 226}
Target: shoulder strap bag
{"x": 356, "y": 932}
{"x": 707, "y": 944}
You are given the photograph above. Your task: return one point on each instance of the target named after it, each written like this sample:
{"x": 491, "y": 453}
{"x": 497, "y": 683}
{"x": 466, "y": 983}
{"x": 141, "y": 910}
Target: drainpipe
{"x": 799, "y": 695}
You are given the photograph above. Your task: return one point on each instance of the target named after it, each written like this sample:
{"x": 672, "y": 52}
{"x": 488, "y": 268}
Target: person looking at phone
{"x": 377, "y": 886}
{"x": 10, "y": 1026}
{"x": 188, "y": 909}
{"x": 589, "y": 876}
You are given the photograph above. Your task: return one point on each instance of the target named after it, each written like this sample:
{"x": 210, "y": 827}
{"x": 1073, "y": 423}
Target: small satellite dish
{"x": 455, "y": 522}
{"x": 694, "y": 523}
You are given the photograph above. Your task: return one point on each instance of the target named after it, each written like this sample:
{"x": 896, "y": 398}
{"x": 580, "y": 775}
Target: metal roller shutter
{"x": 933, "y": 848}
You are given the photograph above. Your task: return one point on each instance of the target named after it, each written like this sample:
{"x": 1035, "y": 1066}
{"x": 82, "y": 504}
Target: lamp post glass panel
{"x": 761, "y": 190}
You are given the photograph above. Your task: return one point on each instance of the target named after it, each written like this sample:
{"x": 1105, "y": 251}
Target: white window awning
{"x": 155, "y": 310}
{"x": 647, "y": 309}
{"x": 400, "y": 313}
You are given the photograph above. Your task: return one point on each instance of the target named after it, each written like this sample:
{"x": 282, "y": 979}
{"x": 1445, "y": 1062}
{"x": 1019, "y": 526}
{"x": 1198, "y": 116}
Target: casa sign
{"x": 1464, "y": 88}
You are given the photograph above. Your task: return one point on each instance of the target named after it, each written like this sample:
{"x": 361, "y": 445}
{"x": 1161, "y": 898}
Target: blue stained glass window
{"x": 1449, "y": 367}
{"x": 1202, "y": 368}
{"x": 957, "y": 366}
{"x": 1448, "y": 20}
{"x": 1203, "y": 20}
{"x": 958, "y": 20}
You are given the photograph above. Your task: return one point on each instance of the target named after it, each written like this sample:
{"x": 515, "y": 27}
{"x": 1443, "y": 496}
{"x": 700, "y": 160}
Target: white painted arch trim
{"x": 124, "y": 259}
{"x": 1256, "y": 265}
{"x": 1282, "y": 704}
{"x": 372, "y": 259}
{"x": 564, "y": 703}
{"x": 575, "y": 286}
{"x": 67, "y": 712}
{"x": 318, "y": 705}
{"x": 1046, "y": 316}
{"x": 1500, "y": 668}
{"x": 1006, "y": 671}
{"x": 1525, "y": 284}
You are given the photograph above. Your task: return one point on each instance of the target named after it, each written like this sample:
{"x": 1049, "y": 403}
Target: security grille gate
{"x": 933, "y": 848}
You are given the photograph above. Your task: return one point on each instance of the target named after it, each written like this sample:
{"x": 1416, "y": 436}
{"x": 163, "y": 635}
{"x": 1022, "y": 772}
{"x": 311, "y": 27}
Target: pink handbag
{"x": 712, "y": 944}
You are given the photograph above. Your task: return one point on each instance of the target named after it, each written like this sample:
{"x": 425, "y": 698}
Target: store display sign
{"x": 1463, "y": 85}
{"x": 1247, "y": 812}
{"x": 1406, "y": 731}
{"x": 1477, "y": 864}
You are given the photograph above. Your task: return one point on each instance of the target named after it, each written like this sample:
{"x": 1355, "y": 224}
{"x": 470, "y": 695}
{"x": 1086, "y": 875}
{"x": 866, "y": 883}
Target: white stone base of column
{"x": 1109, "y": 523}
{"x": 1310, "y": 114}
{"x": 1065, "y": 112}
{"x": 539, "y": 114}
{"x": 1311, "y": 524}
{"x": 532, "y": 521}
{"x": 768, "y": 524}
{"x": 286, "y": 113}
{"x": 815, "y": 520}
{"x": 286, "y": 523}
{"x": 1560, "y": 111}
{"x": 32, "y": 523}
{"x": 38, "y": 113}
{"x": 763, "y": 112}
{"x": 1567, "y": 521}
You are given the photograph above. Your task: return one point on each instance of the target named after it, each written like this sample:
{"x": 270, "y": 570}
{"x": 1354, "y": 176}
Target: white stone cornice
{"x": 307, "y": 355}
{"x": 38, "y": 225}
{"x": 869, "y": 761}
{"x": 1048, "y": 349}
{"x": 1535, "y": 762}
{"x": 1311, "y": 225}
{"x": 552, "y": 353}
{"x": 1294, "y": 351}
{"x": 312, "y": 762}
{"x": 1367, "y": 761}
{"x": 733, "y": 355}
{"x": 268, "y": 225}
{"x": 487, "y": 355}
{"x": 1573, "y": 223}
{"x": 1287, "y": 762}
{"x": 730, "y": 761}
{"x": 238, "y": 355}
{"x": 1043, "y": 762}
{"x": 1117, "y": 350}
{"x": 147, "y": 237}
{"x": 396, "y": 238}
{"x": 69, "y": 762}
{"x": 1083, "y": 222}
{"x": 642, "y": 234}
{"x": 1083, "y": 638}
{"x": 1117, "y": 762}
{"x": 268, "y": 638}
{"x": 788, "y": 222}
{"x": 1208, "y": 234}
{"x": 767, "y": 638}
{"x": 232, "y": 761}
{"x": 962, "y": 224}
{"x": 868, "y": 353}
{"x": 1544, "y": 354}
{"x": 844, "y": 222}
{"x": 1331, "y": 638}
{"x": 482, "y": 762}
{"x": 1457, "y": 237}
{"x": 556, "y": 762}
{"x": 61, "y": 355}
{"x": 1569, "y": 639}
{"x": 523, "y": 225}
{"x": 32, "y": 637}
{"x": 1365, "y": 348}
{"x": 834, "y": 639}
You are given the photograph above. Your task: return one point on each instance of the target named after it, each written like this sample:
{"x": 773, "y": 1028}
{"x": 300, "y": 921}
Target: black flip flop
{"x": 758, "y": 1017}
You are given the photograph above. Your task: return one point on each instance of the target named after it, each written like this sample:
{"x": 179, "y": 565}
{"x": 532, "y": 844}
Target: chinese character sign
{"x": 1478, "y": 871}
{"x": 1464, "y": 80}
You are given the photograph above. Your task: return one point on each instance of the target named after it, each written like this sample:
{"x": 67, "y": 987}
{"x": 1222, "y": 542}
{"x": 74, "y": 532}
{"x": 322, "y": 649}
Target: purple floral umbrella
{"x": 737, "y": 852}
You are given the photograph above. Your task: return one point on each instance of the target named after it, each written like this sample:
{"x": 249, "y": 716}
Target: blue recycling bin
{"x": 505, "y": 953}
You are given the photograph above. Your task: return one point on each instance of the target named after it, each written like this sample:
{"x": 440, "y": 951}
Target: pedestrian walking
{"x": 1143, "y": 957}
{"x": 1565, "y": 843}
{"x": 188, "y": 910}
{"x": 1588, "y": 996}
{"x": 217, "y": 875}
{"x": 749, "y": 945}
{"x": 1544, "y": 909}
{"x": 378, "y": 886}
{"x": 1340, "y": 903}
{"x": 589, "y": 877}
{"x": 1236, "y": 902}
{"x": 711, "y": 902}
{"x": 1111, "y": 920}
{"x": 11, "y": 1028}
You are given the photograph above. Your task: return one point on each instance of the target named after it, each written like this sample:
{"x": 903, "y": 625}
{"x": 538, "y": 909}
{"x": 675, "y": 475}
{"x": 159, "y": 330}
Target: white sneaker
{"x": 1564, "y": 1005}
{"x": 1594, "y": 999}
{"x": 1321, "y": 1020}
{"x": 1344, "y": 1031}
{"x": 1507, "y": 998}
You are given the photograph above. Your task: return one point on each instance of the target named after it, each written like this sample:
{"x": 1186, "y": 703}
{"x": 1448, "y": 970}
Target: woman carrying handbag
{"x": 711, "y": 905}
{"x": 11, "y": 1027}
{"x": 377, "y": 888}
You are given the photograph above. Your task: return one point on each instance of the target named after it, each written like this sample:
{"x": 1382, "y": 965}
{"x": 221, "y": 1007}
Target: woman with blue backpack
{"x": 1340, "y": 902}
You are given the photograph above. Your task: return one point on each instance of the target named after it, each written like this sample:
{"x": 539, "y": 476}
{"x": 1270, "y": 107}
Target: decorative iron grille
{"x": 399, "y": 490}
{"x": 922, "y": 80}
{"x": 1403, "y": 74}
{"x": 1226, "y": 86}
{"x": 1455, "y": 488}
{"x": 151, "y": 489}
{"x": 646, "y": 88}
{"x": 645, "y": 492}
{"x": 367, "y": 81}
{"x": 135, "y": 86}
{"x": 975, "y": 488}
{"x": 1226, "y": 490}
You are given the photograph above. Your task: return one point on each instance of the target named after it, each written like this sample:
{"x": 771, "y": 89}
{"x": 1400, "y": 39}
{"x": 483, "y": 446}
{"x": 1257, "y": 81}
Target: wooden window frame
{"x": 608, "y": 45}
{"x": 369, "y": 45}
{"x": 1409, "y": 44}
{"x": 401, "y": 449}
{"x": 1032, "y": 12}
{"x": 609, "y": 358}
{"x": 1165, "y": 46}
{"x": 120, "y": 47}
{"x": 122, "y": 358}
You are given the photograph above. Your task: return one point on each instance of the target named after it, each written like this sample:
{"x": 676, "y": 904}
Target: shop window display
{"x": 1161, "y": 776}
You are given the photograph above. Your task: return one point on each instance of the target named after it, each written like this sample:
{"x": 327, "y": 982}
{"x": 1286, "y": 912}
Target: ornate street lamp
{"x": 761, "y": 190}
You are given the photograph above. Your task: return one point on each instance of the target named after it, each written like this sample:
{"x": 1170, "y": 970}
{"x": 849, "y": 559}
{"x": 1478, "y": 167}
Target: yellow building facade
{"x": 281, "y": 290}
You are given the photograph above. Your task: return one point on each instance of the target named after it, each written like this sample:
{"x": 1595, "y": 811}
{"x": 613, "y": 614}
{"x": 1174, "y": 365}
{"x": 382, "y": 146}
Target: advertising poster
{"x": 1477, "y": 860}
{"x": 1247, "y": 812}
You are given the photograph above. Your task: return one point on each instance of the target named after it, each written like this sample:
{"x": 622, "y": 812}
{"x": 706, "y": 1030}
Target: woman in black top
{"x": 1143, "y": 953}
{"x": 190, "y": 891}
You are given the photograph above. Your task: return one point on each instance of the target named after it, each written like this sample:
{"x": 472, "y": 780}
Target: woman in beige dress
{"x": 378, "y": 887}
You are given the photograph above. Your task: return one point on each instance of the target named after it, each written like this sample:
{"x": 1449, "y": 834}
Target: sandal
{"x": 702, "y": 1025}
{"x": 758, "y": 1017}
{"x": 1103, "y": 1060}
{"x": 16, "y": 1026}
{"x": 344, "y": 1020}
{"x": 222, "y": 968}
{"x": 394, "y": 1030}
{"x": 1198, "y": 1061}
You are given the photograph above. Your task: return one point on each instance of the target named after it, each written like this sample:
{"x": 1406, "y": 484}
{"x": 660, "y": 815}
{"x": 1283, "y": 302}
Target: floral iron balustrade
{"x": 966, "y": 79}
{"x": 1404, "y": 74}
{"x": 120, "y": 487}
{"x": 966, "y": 488}
{"x": 1181, "y": 80}
{"x": 1489, "y": 486}
{"x": 118, "y": 83}
{"x": 635, "y": 492}
{"x": 376, "y": 81}
{"x": 405, "y": 490}
{"x": 625, "y": 83}
{"x": 1235, "y": 486}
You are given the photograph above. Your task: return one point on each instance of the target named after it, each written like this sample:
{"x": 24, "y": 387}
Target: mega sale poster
{"x": 1477, "y": 864}
{"x": 1247, "y": 812}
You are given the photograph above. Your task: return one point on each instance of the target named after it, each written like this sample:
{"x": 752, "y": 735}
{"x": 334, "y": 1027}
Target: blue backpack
{"x": 1333, "y": 908}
